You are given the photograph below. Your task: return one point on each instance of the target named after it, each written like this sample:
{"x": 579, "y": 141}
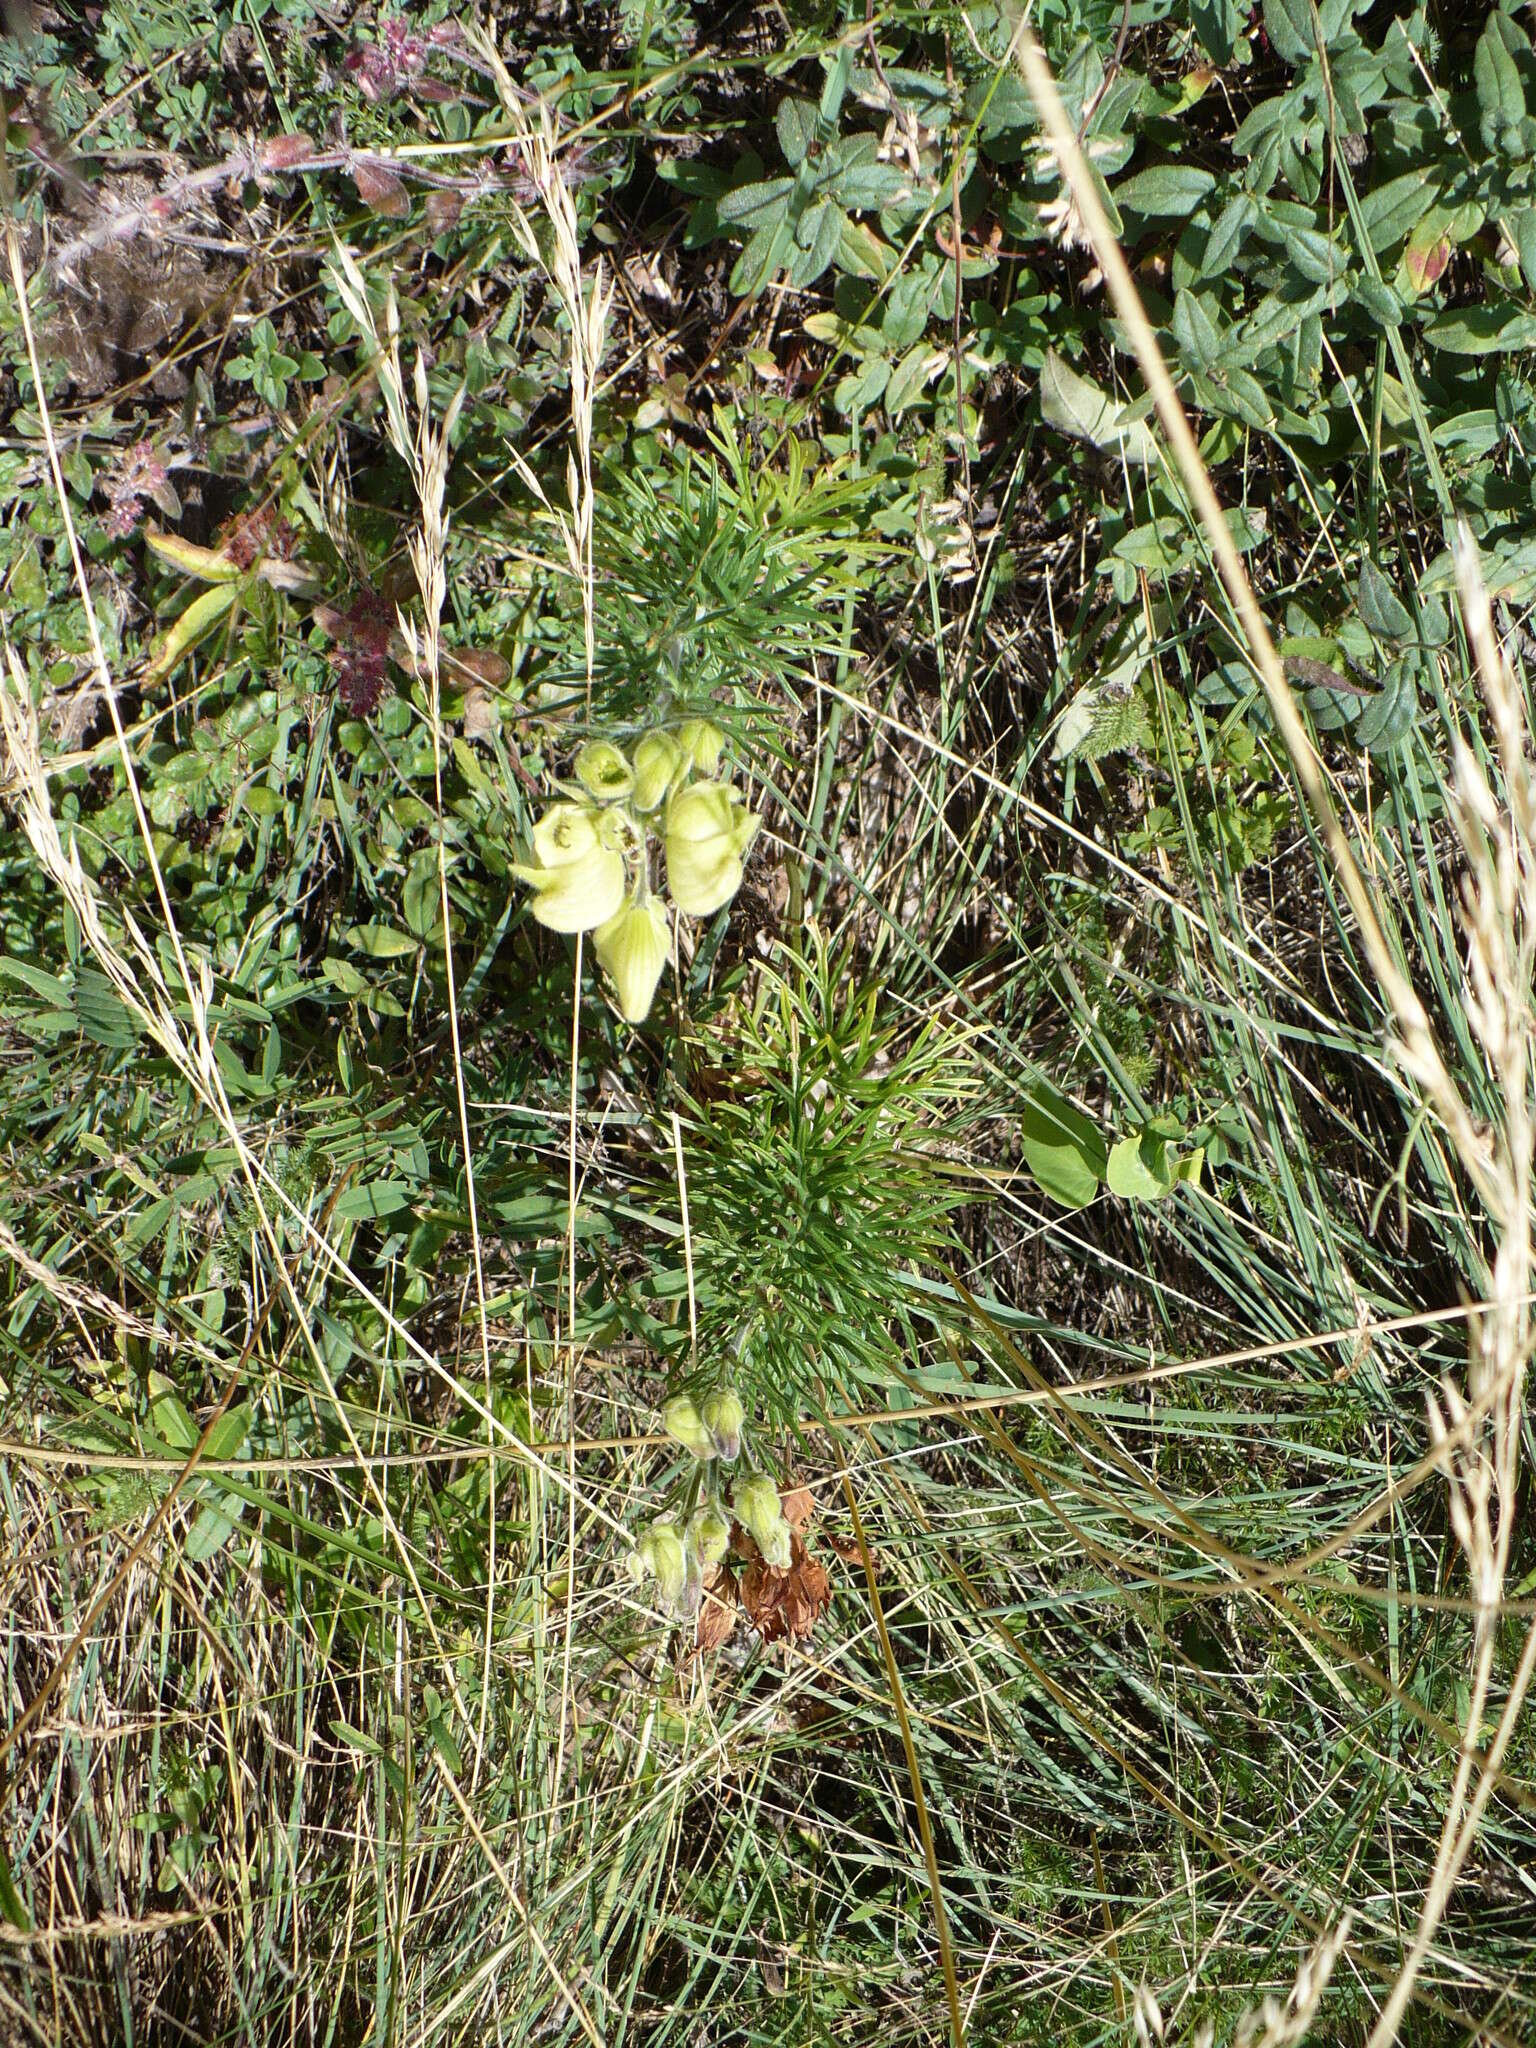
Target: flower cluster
{"x": 138, "y": 473}
{"x": 678, "y": 1549}
{"x": 399, "y": 58}
{"x": 591, "y": 863}
{"x": 360, "y": 657}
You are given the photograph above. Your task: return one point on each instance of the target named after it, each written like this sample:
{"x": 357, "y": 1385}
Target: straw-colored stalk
{"x": 586, "y": 309}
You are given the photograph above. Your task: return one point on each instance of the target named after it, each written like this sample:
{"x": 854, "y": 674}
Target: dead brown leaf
{"x": 479, "y": 712}
{"x": 718, "y": 1609}
{"x": 799, "y": 1505}
{"x": 786, "y": 1605}
{"x": 472, "y": 665}
{"x": 848, "y": 1550}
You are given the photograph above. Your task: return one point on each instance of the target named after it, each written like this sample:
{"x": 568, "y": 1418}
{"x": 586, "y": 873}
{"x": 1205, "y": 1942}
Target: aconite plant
{"x": 678, "y": 1547}
{"x": 592, "y": 852}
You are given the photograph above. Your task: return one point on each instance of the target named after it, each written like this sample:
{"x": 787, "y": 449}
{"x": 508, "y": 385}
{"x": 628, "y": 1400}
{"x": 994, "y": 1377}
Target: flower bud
{"x": 711, "y": 1534}
{"x": 633, "y": 948}
{"x": 707, "y": 834}
{"x": 603, "y": 772}
{"x": 577, "y": 873}
{"x": 756, "y": 1501}
{"x": 658, "y": 762}
{"x": 663, "y": 1555}
{"x": 703, "y": 741}
{"x": 685, "y": 1425}
{"x": 723, "y": 1416}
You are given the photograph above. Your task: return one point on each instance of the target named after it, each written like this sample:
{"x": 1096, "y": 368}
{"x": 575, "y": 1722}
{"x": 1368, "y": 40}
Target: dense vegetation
{"x": 766, "y": 1204}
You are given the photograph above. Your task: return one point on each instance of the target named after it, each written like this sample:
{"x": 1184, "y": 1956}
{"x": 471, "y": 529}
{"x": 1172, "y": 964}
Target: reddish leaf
{"x": 478, "y": 665}
{"x": 381, "y": 190}
{"x": 442, "y": 209}
{"x": 282, "y": 152}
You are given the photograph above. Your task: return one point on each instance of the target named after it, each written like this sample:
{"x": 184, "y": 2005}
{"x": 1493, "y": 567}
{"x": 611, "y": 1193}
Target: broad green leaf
{"x": 861, "y": 388}
{"x": 211, "y": 1527}
{"x": 1227, "y": 236}
{"x": 1379, "y": 300}
{"x": 104, "y": 1017}
{"x": 1218, "y": 24}
{"x": 756, "y": 206}
{"x": 759, "y": 260}
{"x": 831, "y": 327}
{"x": 442, "y": 1741}
{"x": 48, "y": 986}
{"x": 817, "y": 236}
{"x": 861, "y": 253}
{"x": 1482, "y": 330}
{"x": 1500, "y": 95}
{"x": 1508, "y": 570}
{"x": 1381, "y": 607}
{"x": 1196, "y": 333}
{"x": 356, "y": 1738}
{"x": 1165, "y": 191}
{"x": 1138, "y": 1168}
{"x": 1245, "y": 396}
{"x": 343, "y": 975}
{"x": 1074, "y": 405}
{"x": 1523, "y": 227}
{"x": 910, "y": 377}
{"x": 209, "y": 565}
{"x": 1389, "y": 716}
{"x": 1064, "y": 1151}
{"x": 421, "y": 899}
{"x": 374, "y": 1198}
{"x": 1395, "y": 209}
{"x": 185, "y": 771}
{"x": 226, "y": 1439}
{"x": 381, "y": 941}
{"x": 207, "y": 610}
{"x": 168, "y": 1417}
{"x": 1315, "y": 256}
{"x": 1160, "y": 545}
{"x": 795, "y": 123}
{"x": 1290, "y": 26}
{"x": 866, "y": 187}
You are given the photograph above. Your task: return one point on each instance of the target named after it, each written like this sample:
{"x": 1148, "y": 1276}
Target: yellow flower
{"x": 702, "y": 740}
{"x": 577, "y": 871}
{"x": 603, "y": 772}
{"x": 683, "y": 1423}
{"x": 756, "y": 1502}
{"x": 658, "y": 758}
{"x": 707, "y": 834}
{"x": 662, "y": 1554}
{"x": 711, "y": 1534}
{"x": 723, "y": 1416}
{"x": 633, "y": 947}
